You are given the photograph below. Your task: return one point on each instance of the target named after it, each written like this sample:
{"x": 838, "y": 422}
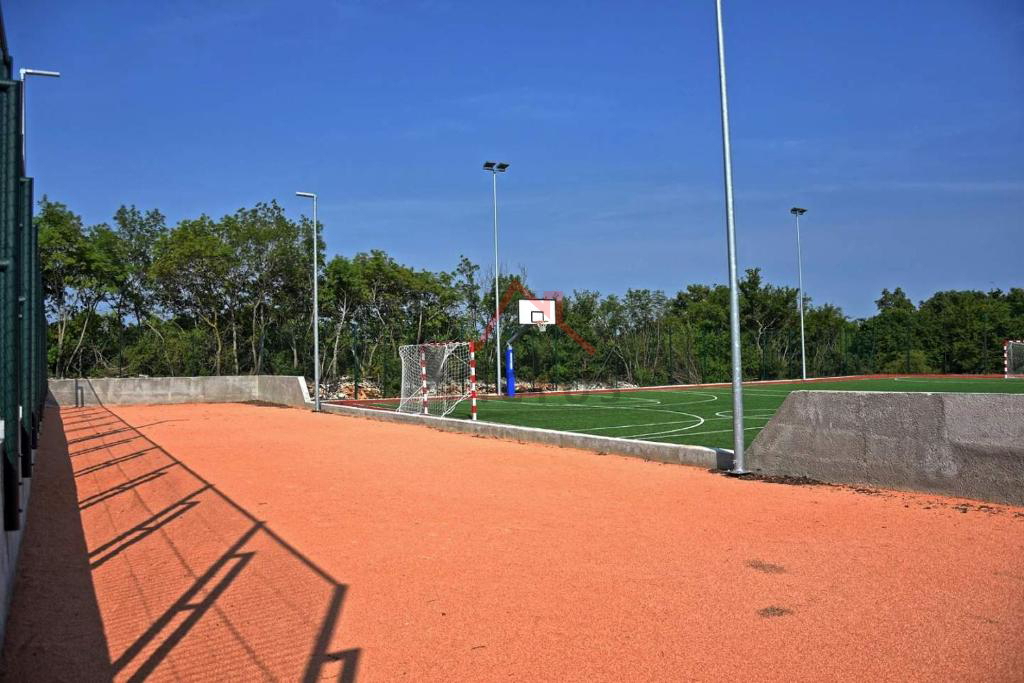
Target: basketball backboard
{"x": 539, "y": 312}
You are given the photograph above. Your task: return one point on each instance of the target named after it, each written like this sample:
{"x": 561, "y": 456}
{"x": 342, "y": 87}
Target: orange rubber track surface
{"x": 244, "y": 542}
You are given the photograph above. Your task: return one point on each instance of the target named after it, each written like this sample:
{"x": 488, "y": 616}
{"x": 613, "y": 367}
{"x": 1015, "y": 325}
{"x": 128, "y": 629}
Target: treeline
{"x": 233, "y": 296}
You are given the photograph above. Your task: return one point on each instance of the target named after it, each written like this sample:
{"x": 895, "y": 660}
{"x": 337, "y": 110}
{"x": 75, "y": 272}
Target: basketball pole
{"x": 730, "y": 230}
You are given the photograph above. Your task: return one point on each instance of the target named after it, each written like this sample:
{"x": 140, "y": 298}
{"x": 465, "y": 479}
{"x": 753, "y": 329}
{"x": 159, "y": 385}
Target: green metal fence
{"x": 22, "y": 317}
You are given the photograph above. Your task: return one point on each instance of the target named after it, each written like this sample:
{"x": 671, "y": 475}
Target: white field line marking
{"x": 688, "y": 434}
{"x": 714, "y": 397}
{"x": 619, "y": 408}
{"x": 634, "y": 425}
{"x": 597, "y": 397}
{"x": 669, "y": 431}
{"x": 531, "y": 401}
{"x": 761, "y": 413}
{"x": 672, "y": 422}
{"x": 679, "y": 431}
{"x": 939, "y": 381}
{"x": 756, "y": 414}
{"x": 564, "y": 406}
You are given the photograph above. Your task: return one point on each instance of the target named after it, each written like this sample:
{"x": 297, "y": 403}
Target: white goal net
{"x": 437, "y": 377}
{"x": 1013, "y": 358}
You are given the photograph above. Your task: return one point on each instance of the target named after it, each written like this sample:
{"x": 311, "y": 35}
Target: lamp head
{"x": 37, "y": 72}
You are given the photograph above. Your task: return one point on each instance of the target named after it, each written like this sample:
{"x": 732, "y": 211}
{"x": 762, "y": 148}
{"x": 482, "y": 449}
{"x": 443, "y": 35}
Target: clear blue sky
{"x": 897, "y": 124}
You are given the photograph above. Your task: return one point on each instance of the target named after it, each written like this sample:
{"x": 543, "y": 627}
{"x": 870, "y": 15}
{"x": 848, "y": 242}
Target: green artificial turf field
{"x": 698, "y": 416}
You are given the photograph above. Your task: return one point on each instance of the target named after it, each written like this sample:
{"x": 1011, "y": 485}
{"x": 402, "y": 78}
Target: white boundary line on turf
{"x": 720, "y": 415}
{"x": 709, "y": 385}
{"x": 685, "y": 431}
{"x": 932, "y": 381}
{"x": 569, "y": 406}
{"x": 694, "y": 423}
{"x": 700, "y": 421}
{"x": 716, "y": 431}
{"x": 633, "y": 426}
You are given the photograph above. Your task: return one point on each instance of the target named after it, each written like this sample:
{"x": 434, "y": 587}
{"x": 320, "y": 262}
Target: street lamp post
{"x": 797, "y": 212}
{"x": 316, "y": 307}
{"x": 730, "y": 230}
{"x": 23, "y": 73}
{"x": 33, "y": 348}
{"x": 496, "y": 167}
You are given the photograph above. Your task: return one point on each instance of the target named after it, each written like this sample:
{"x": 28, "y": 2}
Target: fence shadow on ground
{"x": 172, "y": 578}
{"x": 54, "y": 626}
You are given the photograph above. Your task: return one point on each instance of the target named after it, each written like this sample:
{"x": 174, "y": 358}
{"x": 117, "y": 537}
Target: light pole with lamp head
{"x": 23, "y": 73}
{"x": 496, "y": 167}
{"x": 316, "y": 307}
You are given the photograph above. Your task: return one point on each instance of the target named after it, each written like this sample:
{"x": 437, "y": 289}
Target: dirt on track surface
{"x": 242, "y": 542}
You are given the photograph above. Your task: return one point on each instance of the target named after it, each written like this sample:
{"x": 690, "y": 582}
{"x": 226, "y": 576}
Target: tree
{"x": 235, "y": 295}
{"x": 190, "y": 272}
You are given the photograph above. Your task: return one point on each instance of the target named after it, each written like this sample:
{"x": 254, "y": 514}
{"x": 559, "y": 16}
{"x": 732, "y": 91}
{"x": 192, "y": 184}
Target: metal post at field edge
{"x": 730, "y": 227}
{"x": 496, "y": 167}
{"x": 797, "y": 212}
{"x": 316, "y": 307}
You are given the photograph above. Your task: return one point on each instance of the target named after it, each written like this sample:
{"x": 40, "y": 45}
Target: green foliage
{"x": 234, "y": 295}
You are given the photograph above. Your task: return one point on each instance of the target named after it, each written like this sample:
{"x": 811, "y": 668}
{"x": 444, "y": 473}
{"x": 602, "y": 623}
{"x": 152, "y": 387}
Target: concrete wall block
{"x": 283, "y": 390}
{"x": 968, "y": 445}
{"x": 155, "y": 390}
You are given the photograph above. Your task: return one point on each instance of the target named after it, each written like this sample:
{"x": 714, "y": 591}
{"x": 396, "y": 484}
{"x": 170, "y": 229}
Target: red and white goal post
{"x": 438, "y": 376}
{"x": 1013, "y": 359}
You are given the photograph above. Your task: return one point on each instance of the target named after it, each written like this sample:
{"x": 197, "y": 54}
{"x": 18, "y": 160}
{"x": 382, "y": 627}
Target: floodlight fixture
{"x": 308, "y": 195}
{"x": 797, "y": 211}
{"x": 501, "y": 167}
{"x": 489, "y": 165}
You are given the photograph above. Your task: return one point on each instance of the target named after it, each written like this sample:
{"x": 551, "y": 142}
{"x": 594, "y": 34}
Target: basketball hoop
{"x": 537, "y": 312}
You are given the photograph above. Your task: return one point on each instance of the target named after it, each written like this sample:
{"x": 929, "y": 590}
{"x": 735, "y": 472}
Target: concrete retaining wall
{"x": 965, "y": 445}
{"x": 661, "y": 452}
{"x": 282, "y": 390}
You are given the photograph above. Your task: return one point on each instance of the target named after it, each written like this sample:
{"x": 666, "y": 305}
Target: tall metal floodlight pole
{"x": 23, "y": 73}
{"x": 316, "y": 306}
{"x": 797, "y": 212}
{"x": 730, "y": 230}
{"x": 496, "y": 167}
